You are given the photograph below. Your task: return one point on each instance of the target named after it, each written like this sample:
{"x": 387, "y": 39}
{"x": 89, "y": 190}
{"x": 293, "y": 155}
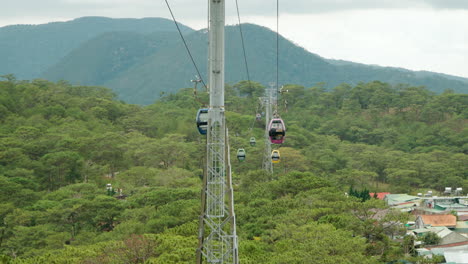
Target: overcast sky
{"x": 414, "y": 34}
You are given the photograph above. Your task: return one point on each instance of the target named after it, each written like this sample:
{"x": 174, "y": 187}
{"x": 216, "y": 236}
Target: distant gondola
{"x": 258, "y": 117}
{"x": 275, "y": 156}
{"x": 276, "y": 131}
{"x": 252, "y": 141}
{"x": 241, "y": 154}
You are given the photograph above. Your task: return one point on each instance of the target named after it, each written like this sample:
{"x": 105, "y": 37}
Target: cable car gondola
{"x": 275, "y": 156}
{"x": 276, "y": 131}
{"x": 241, "y": 154}
{"x": 258, "y": 117}
{"x": 202, "y": 120}
{"x": 252, "y": 141}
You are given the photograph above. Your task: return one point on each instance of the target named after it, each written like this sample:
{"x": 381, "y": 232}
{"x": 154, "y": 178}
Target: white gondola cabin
{"x": 252, "y": 141}
{"x": 241, "y": 154}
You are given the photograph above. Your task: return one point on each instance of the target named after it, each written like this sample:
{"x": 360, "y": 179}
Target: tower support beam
{"x": 217, "y": 231}
{"x": 269, "y": 100}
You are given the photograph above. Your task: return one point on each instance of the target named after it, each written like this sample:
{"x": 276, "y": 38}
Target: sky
{"x": 429, "y": 35}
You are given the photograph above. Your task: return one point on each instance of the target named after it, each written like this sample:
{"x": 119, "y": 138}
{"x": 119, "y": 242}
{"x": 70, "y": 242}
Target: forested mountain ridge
{"x": 61, "y": 144}
{"x": 108, "y": 55}
{"x": 165, "y": 69}
{"x": 140, "y": 59}
{"x": 28, "y": 50}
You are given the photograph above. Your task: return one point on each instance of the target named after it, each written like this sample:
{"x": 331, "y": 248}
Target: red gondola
{"x": 277, "y": 131}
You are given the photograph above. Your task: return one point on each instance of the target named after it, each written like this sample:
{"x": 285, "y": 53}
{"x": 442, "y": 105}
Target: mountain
{"x": 107, "y": 55}
{"x": 141, "y": 63}
{"x": 425, "y": 78}
{"x": 170, "y": 68}
{"x": 28, "y": 50}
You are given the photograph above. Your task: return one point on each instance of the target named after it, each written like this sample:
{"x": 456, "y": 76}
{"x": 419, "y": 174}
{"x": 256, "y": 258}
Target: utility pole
{"x": 217, "y": 229}
{"x": 269, "y": 100}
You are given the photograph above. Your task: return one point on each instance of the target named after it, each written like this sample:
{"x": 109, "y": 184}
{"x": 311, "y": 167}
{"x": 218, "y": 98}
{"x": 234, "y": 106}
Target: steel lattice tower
{"x": 217, "y": 231}
{"x": 269, "y": 100}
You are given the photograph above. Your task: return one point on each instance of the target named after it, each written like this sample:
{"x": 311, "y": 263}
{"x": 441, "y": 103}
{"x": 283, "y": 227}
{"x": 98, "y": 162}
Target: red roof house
{"x": 380, "y": 195}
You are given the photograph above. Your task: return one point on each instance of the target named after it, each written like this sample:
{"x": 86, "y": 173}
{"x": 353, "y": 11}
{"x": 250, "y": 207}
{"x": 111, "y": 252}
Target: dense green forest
{"x": 60, "y": 145}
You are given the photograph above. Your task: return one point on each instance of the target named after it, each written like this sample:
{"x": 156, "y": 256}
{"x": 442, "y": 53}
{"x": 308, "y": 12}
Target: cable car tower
{"x": 217, "y": 238}
{"x": 268, "y": 101}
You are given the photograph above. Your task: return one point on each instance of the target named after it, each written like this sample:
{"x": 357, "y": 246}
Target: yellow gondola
{"x": 275, "y": 156}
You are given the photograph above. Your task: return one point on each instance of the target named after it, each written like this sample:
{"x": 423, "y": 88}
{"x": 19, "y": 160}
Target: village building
{"x": 447, "y": 220}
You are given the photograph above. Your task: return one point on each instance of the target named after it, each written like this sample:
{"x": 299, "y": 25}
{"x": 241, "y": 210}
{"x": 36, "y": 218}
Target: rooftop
{"x": 421, "y": 230}
{"x": 380, "y": 195}
{"x": 457, "y": 245}
{"x": 462, "y": 224}
{"x": 441, "y": 231}
{"x": 394, "y": 199}
{"x": 451, "y": 206}
{"x": 456, "y": 257}
{"x": 440, "y": 220}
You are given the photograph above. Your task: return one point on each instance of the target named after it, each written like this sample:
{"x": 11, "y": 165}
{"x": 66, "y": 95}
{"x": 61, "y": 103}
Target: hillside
{"x": 401, "y": 75}
{"x": 169, "y": 67}
{"x": 107, "y": 56}
{"x": 60, "y": 145}
{"x": 28, "y": 50}
{"x": 142, "y": 58}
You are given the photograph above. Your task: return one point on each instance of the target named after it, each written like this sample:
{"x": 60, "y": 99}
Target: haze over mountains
{"x": 141, "y": 58}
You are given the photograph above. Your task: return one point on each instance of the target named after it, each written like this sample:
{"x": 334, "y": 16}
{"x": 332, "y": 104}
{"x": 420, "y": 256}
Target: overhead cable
{"x": 277, "y": 49}
{"x": 243, "y": 44}
{"x": 185, "y": 43}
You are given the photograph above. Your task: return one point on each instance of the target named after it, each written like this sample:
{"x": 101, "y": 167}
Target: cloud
{"x": 419, "y": 40}
{"x": 448, "y": 4}
{"x": 193, "y": 9}
{"x": 29, "y": 11}
{"x": 258, "y": 7}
